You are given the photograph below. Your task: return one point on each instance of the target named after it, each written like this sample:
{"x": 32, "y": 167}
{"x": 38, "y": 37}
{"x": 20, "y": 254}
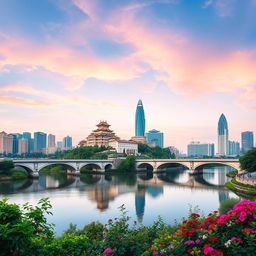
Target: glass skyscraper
{"x": 155, "y": 137}
{"x": 39, "y": 141}
{"x": 67, "y": 142}
{"x": 247, "y": 141}
{"x": 223, "y": 136}
{"x": 140, "y": 120}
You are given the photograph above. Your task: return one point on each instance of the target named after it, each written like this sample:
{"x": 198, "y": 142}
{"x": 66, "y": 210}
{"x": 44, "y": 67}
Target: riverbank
{"x": 216, "y": 234}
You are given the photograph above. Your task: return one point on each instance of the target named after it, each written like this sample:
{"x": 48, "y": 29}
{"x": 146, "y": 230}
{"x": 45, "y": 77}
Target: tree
{"x": 6, "y": 166}
{"x": 248, "y": 161}
{"x": 128, "y": 164}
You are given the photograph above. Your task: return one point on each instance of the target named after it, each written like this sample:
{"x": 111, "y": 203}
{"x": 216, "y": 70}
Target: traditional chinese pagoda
{"x": 101, "y": 135}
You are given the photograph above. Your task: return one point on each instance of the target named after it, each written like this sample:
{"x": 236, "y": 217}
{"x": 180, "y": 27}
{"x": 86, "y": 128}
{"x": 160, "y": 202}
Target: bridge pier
{"x": 34, "y": 175}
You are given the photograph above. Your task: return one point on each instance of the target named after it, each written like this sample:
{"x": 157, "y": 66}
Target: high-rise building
{"x": 51, "y": 141}
{"x": 223, "y": 136}
{"x": 23, "y": 146}
{"x": 196, "y": 149}
{"x": 6, "y": 143}
{"x": 59, "y": 145}
{"x": 27, "y": 135}
{"x": 15, "y": 142}
{"x": 67, "y": 142}
{"x": 247, "y": 141}
{"x": 234, "y": 148}
{"x": 140, "y": 120}
{"x": 39, "y": 141}
{"x": 155, "y": 137}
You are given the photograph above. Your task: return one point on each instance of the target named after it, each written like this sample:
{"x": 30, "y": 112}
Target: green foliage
{"x": 68, "y": 244}
{"x": 157, "y": 152}
{"x": 6, "y": 166}
{"x": 228, "y": 204}
{"x": 232, "y": 174}
{"x": 18, "y": 175}
{"x": 20, "y": 225}
{"x": 128, "y": 164}
{"x": 87, "y": 152}
{"x": 248, "y": 161}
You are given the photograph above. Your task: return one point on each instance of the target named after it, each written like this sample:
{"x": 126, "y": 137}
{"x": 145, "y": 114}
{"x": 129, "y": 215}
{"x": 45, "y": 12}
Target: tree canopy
{"x": 156, "y": 152}
{"x": 248, "y": 161}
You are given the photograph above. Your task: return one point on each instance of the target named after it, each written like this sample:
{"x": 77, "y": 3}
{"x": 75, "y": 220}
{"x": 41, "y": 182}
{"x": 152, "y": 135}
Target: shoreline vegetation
{"x": 24, "y": 230}
{"x": 8, "y": 172}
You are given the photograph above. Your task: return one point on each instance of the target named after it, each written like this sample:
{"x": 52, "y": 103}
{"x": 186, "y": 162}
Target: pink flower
{"x": 207, "y": 249}
{"x": 236, "y": 239}
{"x": 108, "y": 251}
{"x": 189, "y": 242}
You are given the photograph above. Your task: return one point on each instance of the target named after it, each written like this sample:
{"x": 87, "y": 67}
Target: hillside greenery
{"x": 156, "y": 152}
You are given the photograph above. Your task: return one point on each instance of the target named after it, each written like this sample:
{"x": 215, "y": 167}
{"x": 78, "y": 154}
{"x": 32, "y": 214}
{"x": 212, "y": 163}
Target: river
{"x": 81, "y": 200}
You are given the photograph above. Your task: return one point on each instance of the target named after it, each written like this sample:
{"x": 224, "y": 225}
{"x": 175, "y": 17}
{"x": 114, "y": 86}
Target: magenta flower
{"x": 108, "y": 251}
{"x": 155, "y": 253}
{"x": 189, "y": 242}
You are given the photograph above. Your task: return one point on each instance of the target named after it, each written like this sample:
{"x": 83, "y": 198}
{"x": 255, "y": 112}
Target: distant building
{"x": 59, "y": 145}
{"x": 6, "y": 143}
{"x": 101, "y": 135}
{"x": 222, "y": 136}
{"x": 27, "y": 135}
{"x": 67, "y": 142}
{"x": 234, "y": 148}
{"x": 51, "y": 141}
{"x": 15, "y": 142}
{"x": 124, "y": 146}
{"x": 139, "y": 120}
{"x": 247, "y": 141}
{"x": 39, "y": 141}
{"x": 139, "y": 139}
{"x": 196, "y": 149}
{"x": 23, "y": 146}
{"x": 155, "y": 137}
{"x": 51, "y": 150}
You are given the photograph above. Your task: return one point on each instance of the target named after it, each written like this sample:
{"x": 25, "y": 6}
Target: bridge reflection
{"x": 103, "y": 189}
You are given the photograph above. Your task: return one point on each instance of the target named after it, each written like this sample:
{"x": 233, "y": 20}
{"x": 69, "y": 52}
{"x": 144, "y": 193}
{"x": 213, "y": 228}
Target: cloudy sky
{"x": 67, "y": 64}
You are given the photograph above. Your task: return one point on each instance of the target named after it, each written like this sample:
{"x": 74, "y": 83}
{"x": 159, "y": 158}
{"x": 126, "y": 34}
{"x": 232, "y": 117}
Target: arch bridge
{"x": 33, "y": 166}
{"x": 193, "y": 165}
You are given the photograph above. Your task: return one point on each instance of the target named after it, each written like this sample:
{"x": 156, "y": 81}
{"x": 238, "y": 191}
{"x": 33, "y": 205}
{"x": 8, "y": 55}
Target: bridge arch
{"x": 145, "y": 166}
{"x": 108, "y": 166}
{"x": 164, "y": 166}
{"x": 233, "y": 165}
{"x": 92, "y": 166}
{"x": 43, "y": 165}
{"x": 28, "y": 168}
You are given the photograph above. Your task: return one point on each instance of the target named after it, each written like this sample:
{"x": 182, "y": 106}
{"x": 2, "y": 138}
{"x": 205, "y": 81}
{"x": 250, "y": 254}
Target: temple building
{"x": 100, "y": 136}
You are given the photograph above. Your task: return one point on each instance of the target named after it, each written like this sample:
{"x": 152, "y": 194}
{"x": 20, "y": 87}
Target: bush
{"x": 227, "y": 205}
{"x": 21, "y": 225}
{"x": 232, "y": 174}
{"x": 128, "y": 164}
{"x": 17, "y": 174}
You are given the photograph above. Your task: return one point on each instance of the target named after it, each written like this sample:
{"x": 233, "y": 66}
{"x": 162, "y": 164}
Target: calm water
{"x": 88, "y": 198}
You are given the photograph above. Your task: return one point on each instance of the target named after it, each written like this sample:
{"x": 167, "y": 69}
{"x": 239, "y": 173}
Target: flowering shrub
{"x": 233, "y": 233}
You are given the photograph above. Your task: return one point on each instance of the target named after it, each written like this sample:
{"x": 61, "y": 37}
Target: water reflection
{"x": 141, "y": 189}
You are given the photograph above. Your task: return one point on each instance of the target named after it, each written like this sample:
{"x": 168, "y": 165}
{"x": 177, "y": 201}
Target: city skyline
{"x": 187, "y": 71}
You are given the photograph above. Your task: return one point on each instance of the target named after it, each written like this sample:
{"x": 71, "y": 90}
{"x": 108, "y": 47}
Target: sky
{"x": 67, "y": 64}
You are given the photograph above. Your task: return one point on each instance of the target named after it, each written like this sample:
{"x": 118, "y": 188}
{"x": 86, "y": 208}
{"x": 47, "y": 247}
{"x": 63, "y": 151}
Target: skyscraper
{"x": 247, "y": 141}
{"x": 223, "y": 136}
{"x": 51, "y": 141}
{"x": 27, "y": 135}
{"x": 67, "y": 142}
{"x": 140, "y": 120}
{"x": 155, "y": 137}
{"x": 39, "y": 141}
